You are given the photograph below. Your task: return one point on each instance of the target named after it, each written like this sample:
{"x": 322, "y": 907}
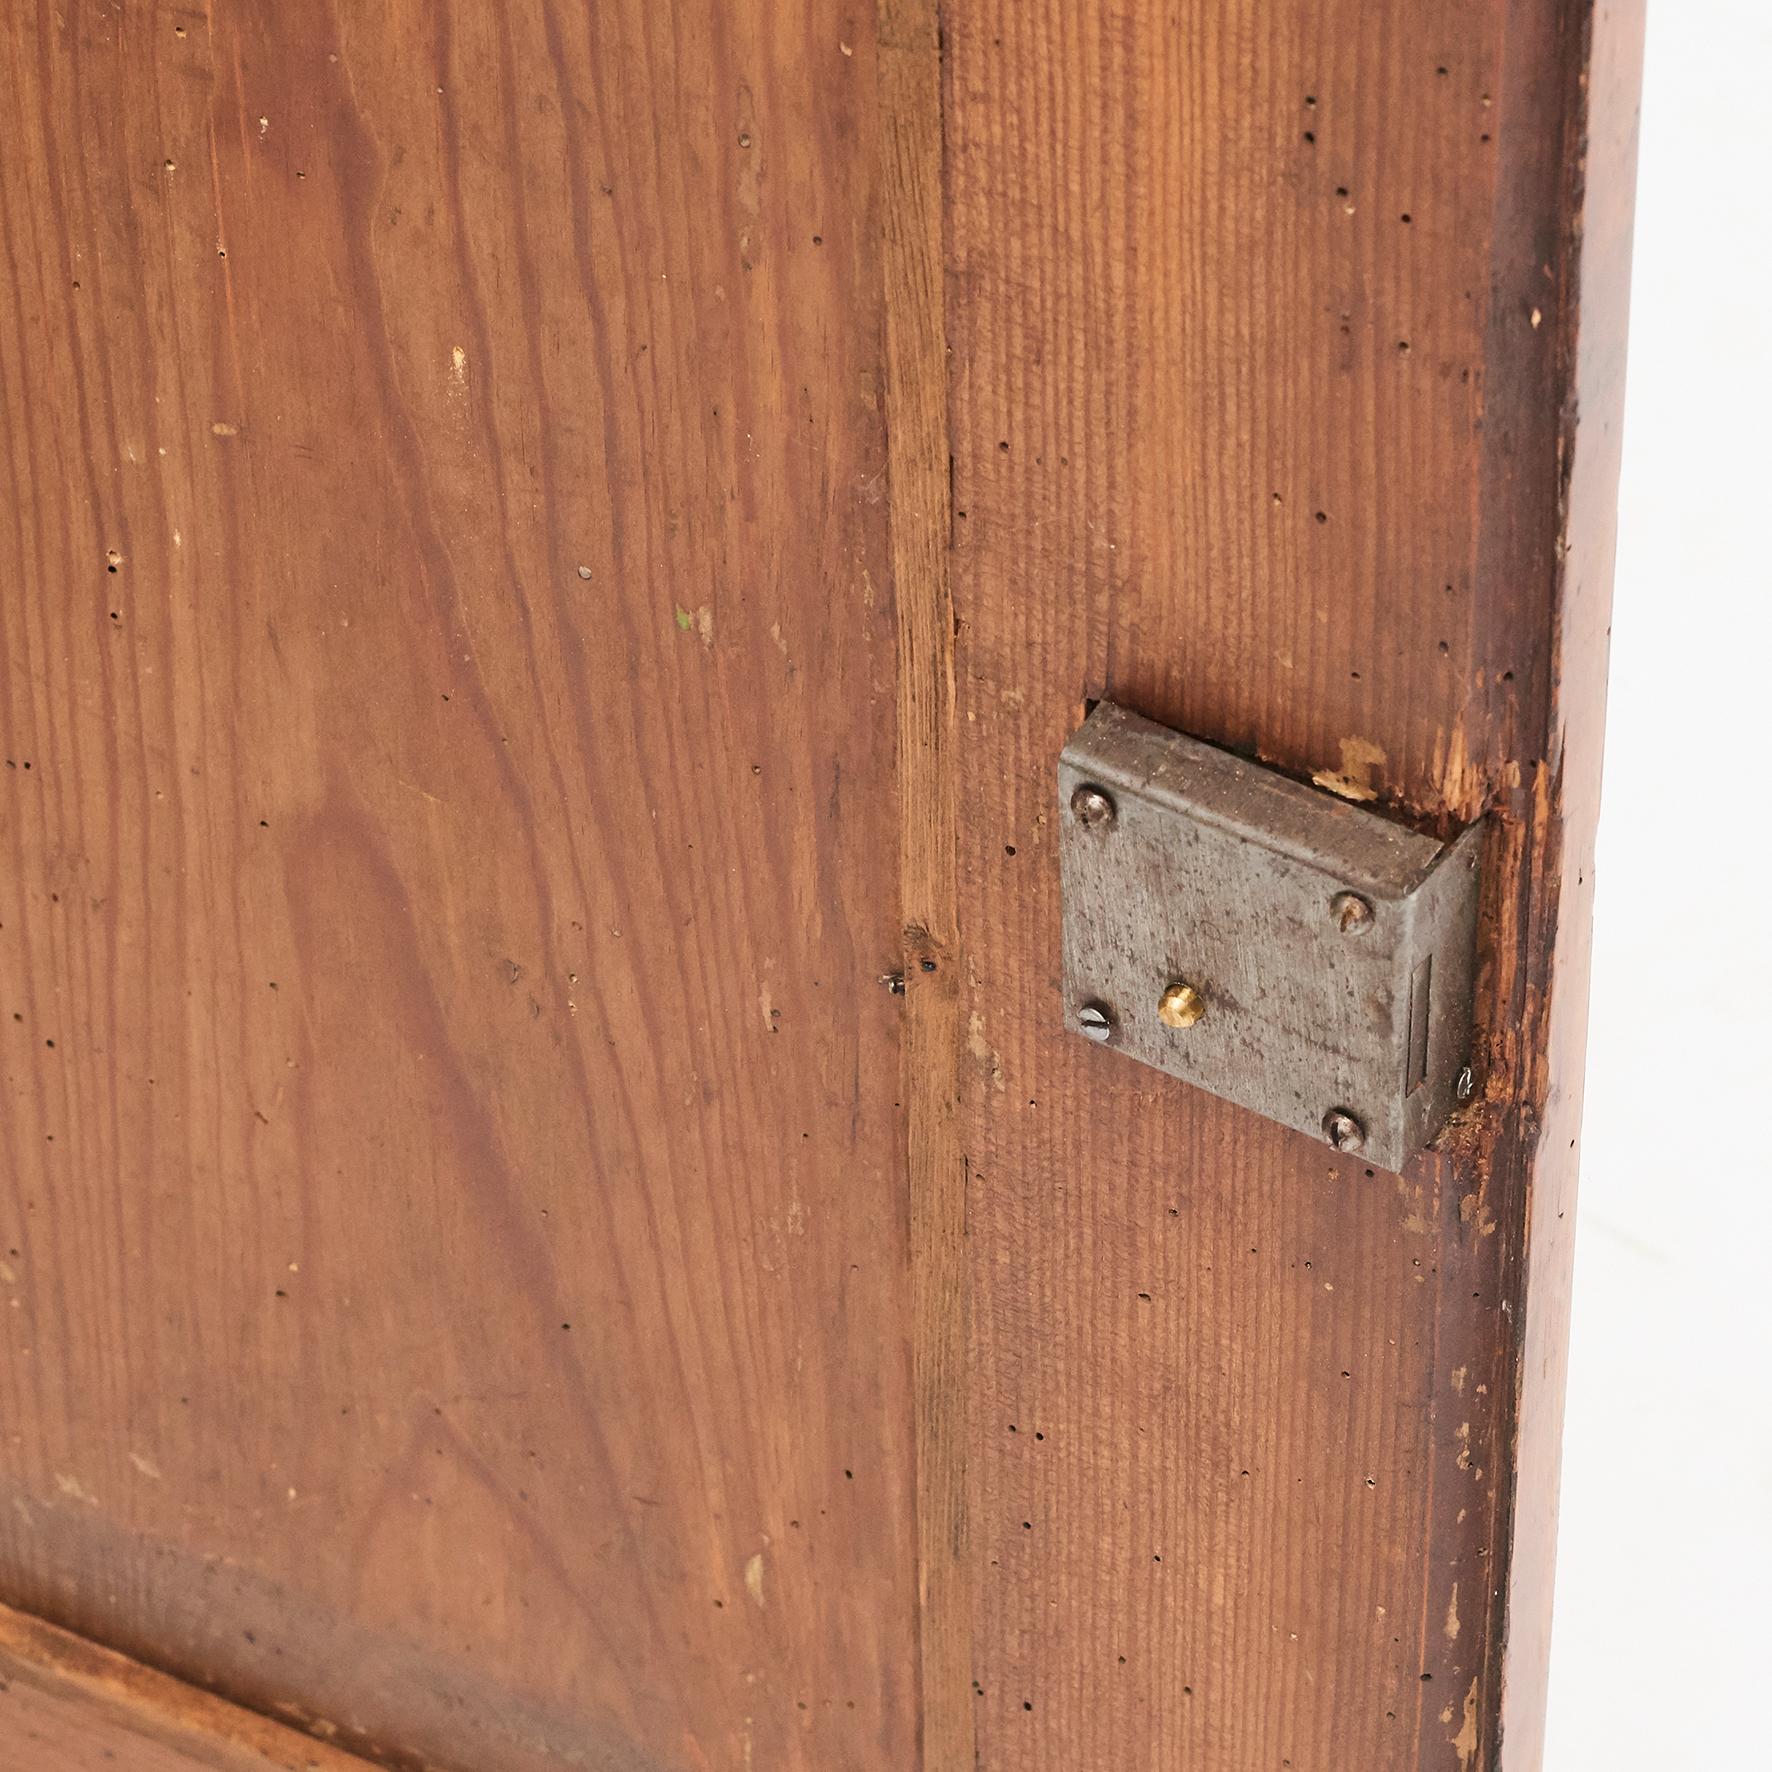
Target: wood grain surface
{"x": 547, "y": 554}
{"x": 68, "y": 1706}
{"x": 454, "y": 1235}
{"x": 1263, "y": 326}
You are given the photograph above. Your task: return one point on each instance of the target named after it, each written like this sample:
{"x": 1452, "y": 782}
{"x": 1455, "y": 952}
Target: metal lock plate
{"x": 1298, "y": 955}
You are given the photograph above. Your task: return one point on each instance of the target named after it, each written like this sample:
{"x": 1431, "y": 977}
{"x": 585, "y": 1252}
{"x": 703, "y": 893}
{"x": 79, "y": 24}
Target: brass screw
{"x": 1352, "y": 914}
{"x": 1343, "y": 1130}
{"x": 1180, "y": 1006}
{"x": 1092, "y": 806}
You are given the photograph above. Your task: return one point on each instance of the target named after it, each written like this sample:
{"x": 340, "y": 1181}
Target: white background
{"x": 1664, "y": 1594}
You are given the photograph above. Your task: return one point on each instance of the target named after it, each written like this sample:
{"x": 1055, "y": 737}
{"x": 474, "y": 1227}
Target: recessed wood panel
{"x": 453, "y": 1221}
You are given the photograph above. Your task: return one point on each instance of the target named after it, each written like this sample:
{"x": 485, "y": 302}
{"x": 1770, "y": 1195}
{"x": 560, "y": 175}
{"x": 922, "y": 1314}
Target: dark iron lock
{"x": 1303, "y": 957}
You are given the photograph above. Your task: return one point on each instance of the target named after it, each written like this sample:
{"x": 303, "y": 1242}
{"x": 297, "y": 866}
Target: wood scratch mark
{"x": 1361, "y": 760}
{"x": 1464, "y": 1744}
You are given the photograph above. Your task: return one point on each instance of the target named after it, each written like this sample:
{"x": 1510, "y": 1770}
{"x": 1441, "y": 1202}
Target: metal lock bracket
{"x": 1303, "y": 957}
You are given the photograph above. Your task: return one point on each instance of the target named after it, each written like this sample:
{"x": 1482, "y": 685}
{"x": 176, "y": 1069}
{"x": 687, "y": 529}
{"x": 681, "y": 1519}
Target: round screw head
{"x": 1352, "y": 914}
{"x": 1343, "y": 1130}
{"x": 1097, "y": 1021}
{"x": 1180, "y": 1006}
{"x": 1092, "y": 806}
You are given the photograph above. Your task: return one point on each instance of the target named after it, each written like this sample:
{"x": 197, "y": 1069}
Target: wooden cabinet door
{"x": 550, "y": 1218}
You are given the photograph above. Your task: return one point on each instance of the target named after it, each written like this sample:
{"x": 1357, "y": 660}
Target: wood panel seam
{"x": 914, "y": 207}
{"x": 114, "y": 1695}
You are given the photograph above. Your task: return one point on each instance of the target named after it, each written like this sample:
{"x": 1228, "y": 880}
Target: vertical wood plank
{"x": 1264, "y": 401}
